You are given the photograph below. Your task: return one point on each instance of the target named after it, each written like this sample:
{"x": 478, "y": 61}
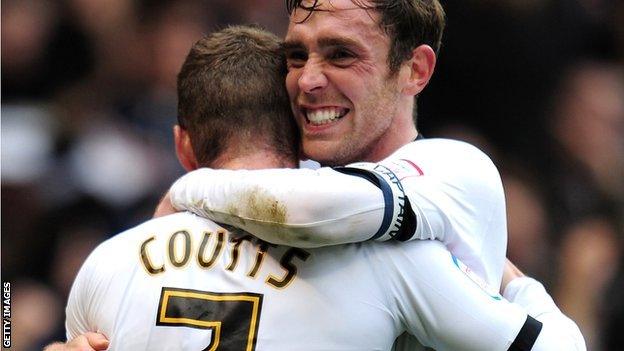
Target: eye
{"x": 296, "y": 58}
{"x": 341, "y": 57}
{"x": 340, "y": 54}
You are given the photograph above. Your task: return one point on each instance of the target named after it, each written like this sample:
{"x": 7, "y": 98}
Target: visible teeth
{"x": 324, "y": 115}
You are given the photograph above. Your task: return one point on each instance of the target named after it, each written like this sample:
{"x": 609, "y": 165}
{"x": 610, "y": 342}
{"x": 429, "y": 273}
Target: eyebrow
{"x": 337, "y": 42}
{"x": 322, "y": 42}
{"x": 292, "y": 45}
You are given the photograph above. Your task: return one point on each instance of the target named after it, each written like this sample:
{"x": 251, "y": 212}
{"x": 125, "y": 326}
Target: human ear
{"x": 184, "y": 149}
{"x": 418, "y": 70}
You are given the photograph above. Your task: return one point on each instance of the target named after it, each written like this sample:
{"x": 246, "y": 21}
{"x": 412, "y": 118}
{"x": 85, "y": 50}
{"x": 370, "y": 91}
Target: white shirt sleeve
{"x": 301, "y": 207}
{"x": 446, "y": 310}
{"x": 295, "y": 207}
{"x": 559, "y": 332}
{"x": 76, "y": 311}
{"x": 442, "y": 307}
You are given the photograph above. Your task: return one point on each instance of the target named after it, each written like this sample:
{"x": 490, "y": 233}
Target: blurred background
{"x": 88, "y": 104}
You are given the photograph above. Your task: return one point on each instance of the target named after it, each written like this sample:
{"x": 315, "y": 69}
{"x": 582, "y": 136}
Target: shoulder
{"x": 443, "y": 158}
{"x": 162, "y": 226}
{"x": 112, "y": 255}
{"x": 437, "y": 148}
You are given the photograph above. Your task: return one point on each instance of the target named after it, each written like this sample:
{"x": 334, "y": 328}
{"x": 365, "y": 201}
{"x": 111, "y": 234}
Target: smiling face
{"x": 347, "y": 103}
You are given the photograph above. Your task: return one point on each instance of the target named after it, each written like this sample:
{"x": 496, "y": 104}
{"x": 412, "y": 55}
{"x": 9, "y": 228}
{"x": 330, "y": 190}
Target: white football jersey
{"x": 182, "y": 282}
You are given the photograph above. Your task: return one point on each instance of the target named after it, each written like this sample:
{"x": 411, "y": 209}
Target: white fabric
{"x": 347, "y": 297}
{"x": 454, "y": 189}
{"x": 394, "y": 196}
{"x": 532, "y": 295}
{"x": 296, "y": 207}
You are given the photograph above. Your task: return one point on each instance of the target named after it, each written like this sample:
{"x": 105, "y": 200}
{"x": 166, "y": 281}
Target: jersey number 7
{"x": 232, "y": 317}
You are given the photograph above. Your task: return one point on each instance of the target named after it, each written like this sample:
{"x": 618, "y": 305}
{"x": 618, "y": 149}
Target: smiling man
{"x": 354, "y": 71}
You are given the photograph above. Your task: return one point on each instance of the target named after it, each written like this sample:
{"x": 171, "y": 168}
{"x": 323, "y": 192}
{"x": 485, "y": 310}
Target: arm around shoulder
{"x": 295, "y": 207}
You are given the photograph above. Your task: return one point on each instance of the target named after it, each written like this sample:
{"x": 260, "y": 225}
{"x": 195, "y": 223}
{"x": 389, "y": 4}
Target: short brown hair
{"x": 408, "y": 23}
{"x": 231, "y": 93}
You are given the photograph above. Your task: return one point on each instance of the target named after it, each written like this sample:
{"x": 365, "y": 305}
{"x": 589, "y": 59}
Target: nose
{"x": 312, "y": 78}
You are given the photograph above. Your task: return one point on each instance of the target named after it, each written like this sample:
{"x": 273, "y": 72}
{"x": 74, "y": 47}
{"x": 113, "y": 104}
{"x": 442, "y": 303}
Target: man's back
{"x": 176, "y": 282}
{"x": 152, "y": 291}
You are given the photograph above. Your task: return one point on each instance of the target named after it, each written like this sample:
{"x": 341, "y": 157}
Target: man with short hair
{"x": 182, "y": 282}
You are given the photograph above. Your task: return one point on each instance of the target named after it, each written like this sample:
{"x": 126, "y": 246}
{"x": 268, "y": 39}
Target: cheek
{"x": 379, "y": 102}
{"x": 364, "y": 93}
{"x": 292, "y": 79}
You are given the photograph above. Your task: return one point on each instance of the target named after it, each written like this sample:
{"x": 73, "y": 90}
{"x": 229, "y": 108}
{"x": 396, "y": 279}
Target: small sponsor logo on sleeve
{"x": 493, "y": 292}
{"x": 403, "y": 168}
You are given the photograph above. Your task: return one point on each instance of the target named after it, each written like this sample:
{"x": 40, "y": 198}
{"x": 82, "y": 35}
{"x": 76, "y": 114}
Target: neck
{"x": 401, "y": 132}
{"x": 259, "y": 159}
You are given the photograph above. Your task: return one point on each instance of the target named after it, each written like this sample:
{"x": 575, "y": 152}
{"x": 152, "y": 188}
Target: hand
{"x": 164, "y": 207}
{"x": 510, "y": 272}
{"x": 85, "y": 342}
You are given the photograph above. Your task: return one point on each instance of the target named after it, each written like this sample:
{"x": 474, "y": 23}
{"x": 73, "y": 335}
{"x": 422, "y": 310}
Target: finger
{"x": 97, "y": 341}
{"x": 164, "y": 207}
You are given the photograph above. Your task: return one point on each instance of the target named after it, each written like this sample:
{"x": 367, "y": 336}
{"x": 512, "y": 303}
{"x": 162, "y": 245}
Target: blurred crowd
{"x": 88, "y": 104}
